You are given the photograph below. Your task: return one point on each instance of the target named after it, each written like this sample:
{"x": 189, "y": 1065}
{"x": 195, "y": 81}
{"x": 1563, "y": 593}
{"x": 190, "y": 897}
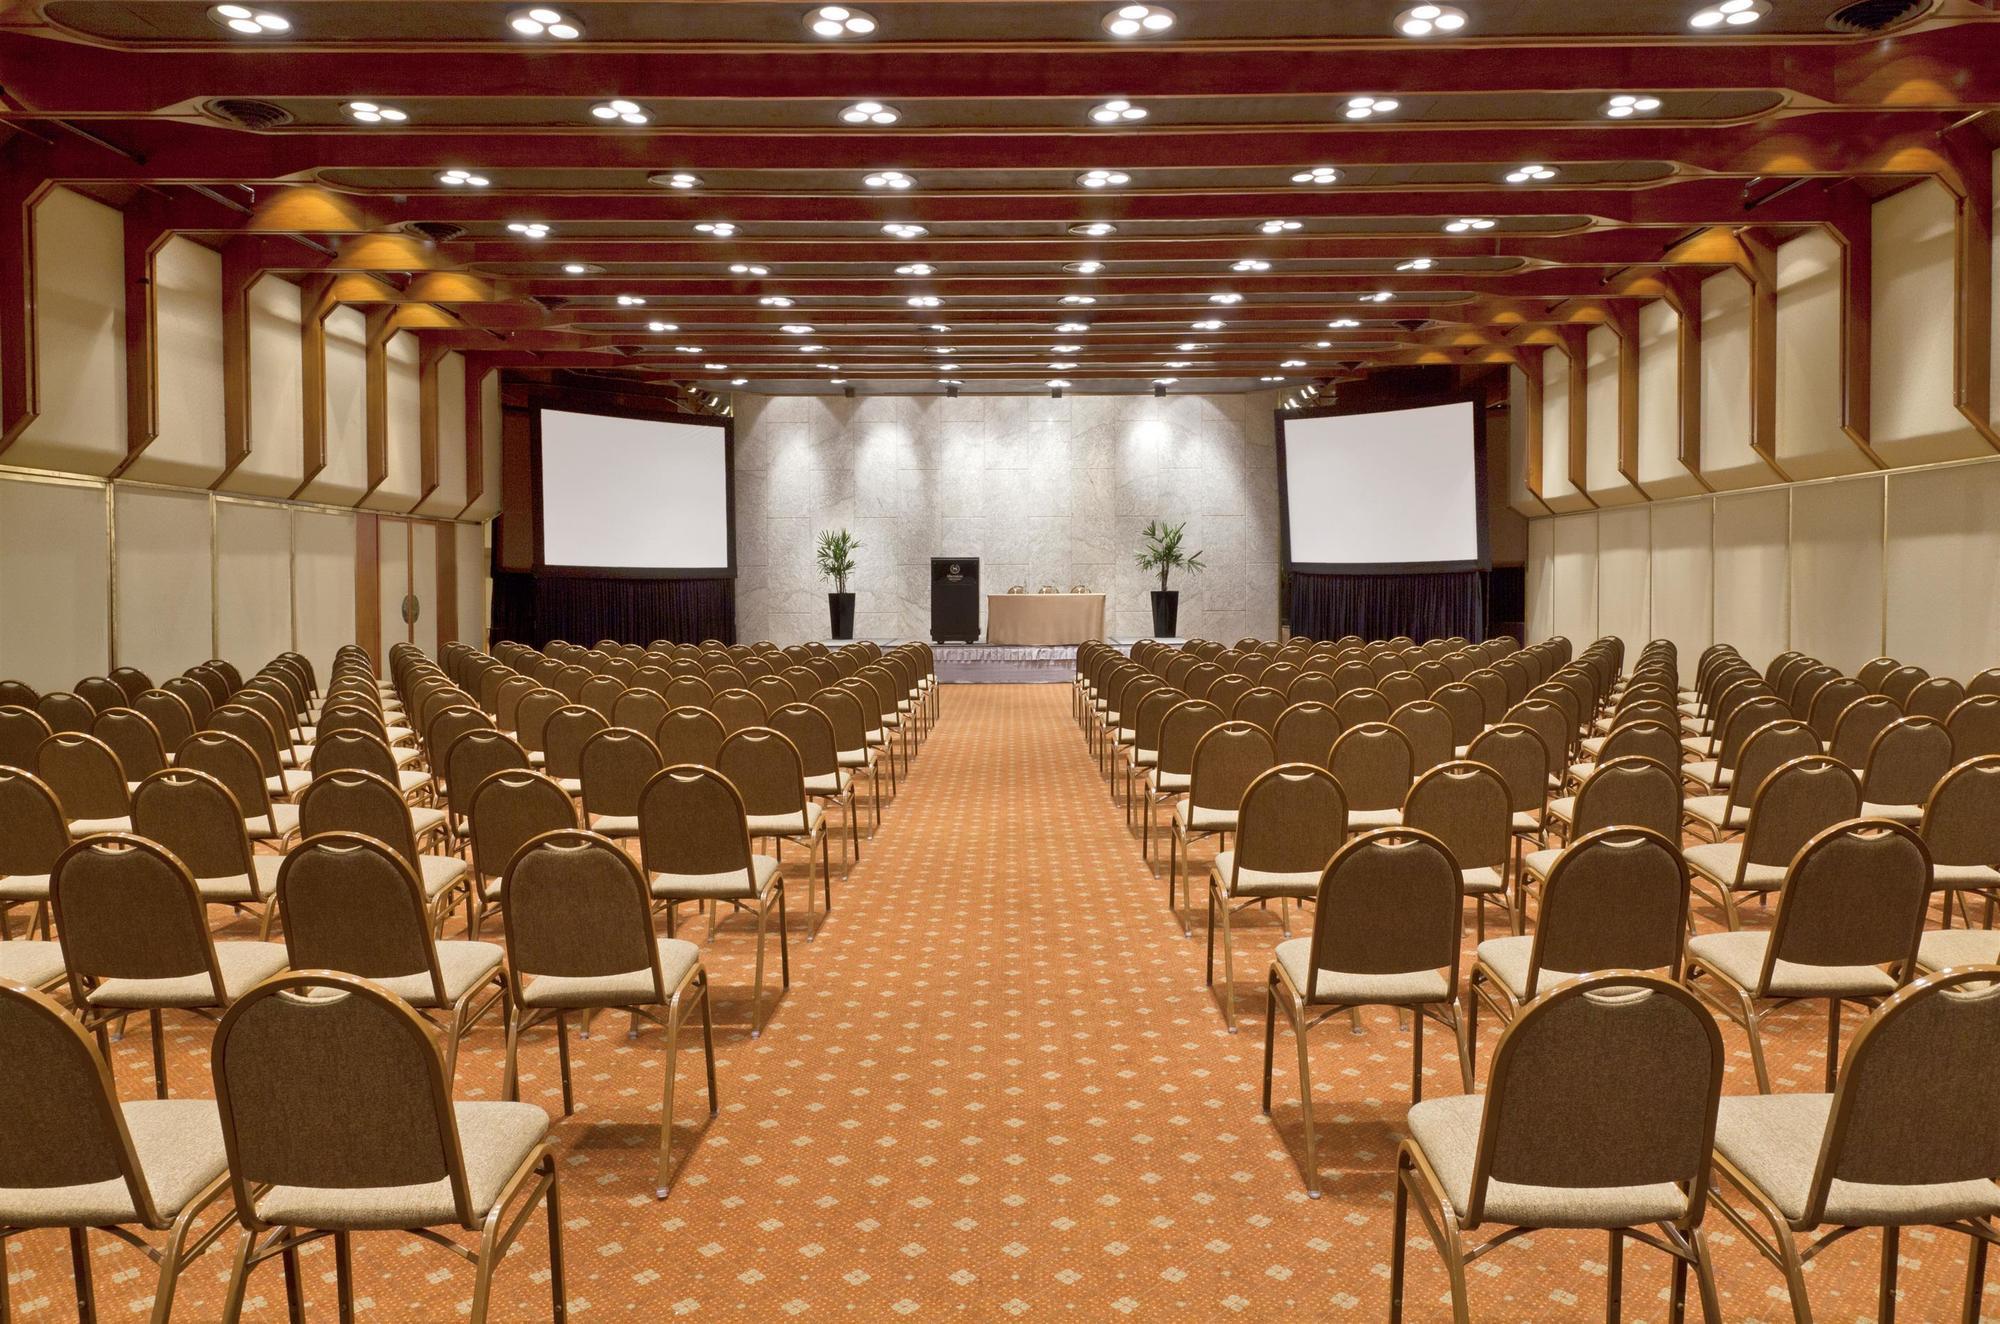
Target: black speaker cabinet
{"x": 954, "y": 599}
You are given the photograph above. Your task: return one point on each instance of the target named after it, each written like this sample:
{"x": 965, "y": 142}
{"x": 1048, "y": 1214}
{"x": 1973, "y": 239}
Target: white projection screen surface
{"x": 1382, "y": 492}
{"x": 639, "y": 495}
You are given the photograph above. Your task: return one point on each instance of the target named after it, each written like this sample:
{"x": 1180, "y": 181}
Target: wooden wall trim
{"x": 316, "y": 302}
{"x": 1684, "y": 296}
{"x": 1623, "y": 319}
{"x": 368, "y": 585}
{"x": 20, "y": 380}
{"x": 477, "y": 369}
{"x": 1972, "y": 353}
{"x": 428, "y": 359}
{"x": 375, "y": 391}
{"x": 146, "y": 228}
{"x": 446, "y": 605}
{"x": 1853, "y": 227}
{"x": 1761, "y": 267}
{"x": 1530, "y": 359}
{"x": 1576, "y": 347}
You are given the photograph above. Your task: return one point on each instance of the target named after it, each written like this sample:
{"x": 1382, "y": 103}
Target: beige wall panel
{"x": 1726, "y": 457}
{"x": 1557, "y": 490}
{"x": 449, "y": 498}
{"x": 1994, "y": 412}
{"x": 1751, "y": 536}
{"x": 1606, "y": 485}
{"x": 1810, "y": 441}
{"x": 1518, "y": 424}
{"x": 424, "y": 583}
{"x": 473, "y": 574}
{"x": 253, "y": 582}
{"x": 399, "y": 490}
{"x": 323, "y": 584}
{"x": 1624, "y": 566}
{"x": 488, "y": 504}
{"x": 1660, "y": 469}
{"x": 275, "y": 464}
{"x": 187, "y": 313}
{"x": 1573, "y": 586}
{"x": 54, "y": 617}
{"x": 79, "y": 338}
{"x": 1682, "y": 577}
{"x": 1836, "y": 606}
{"x": 345, "y": 477}
{"x": 165, "y": 585}
{"x": 1541, "y": 578}
{"x": 1943, "y": 568}
{"x": 1915, "y": 273}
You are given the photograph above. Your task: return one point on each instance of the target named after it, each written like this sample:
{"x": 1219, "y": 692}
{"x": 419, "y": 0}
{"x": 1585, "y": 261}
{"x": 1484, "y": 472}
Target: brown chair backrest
{"x": 1465, "y": 806}
{"x": 125, "y": 908}
{"x": 358, "y": 803}
{"x": 562, "y": 738}
{"x": 1354, "y": 707}
{"x": 477, "y": 755}
{"x": 168, "y": 713}
{"x": 1906, "y": 761}
{"x": 639, "y": 710}
{"x": 1389, "y": 903}
{"x": 33, "y": 829}
{"x": 1769, "y": 748}
{"x": 1631, "y": 792}
{"x": 1227, "y": 758}
{"x": 1959, "y": 818}
{"x": 692, "y": 821}
{"x": 1306, "y": 731}
{"x": 194, "y": 816}
{"x": 1860, "y": 722}
{"x": 355, "y": 904}
{"x": 1642, "y": 739}
{"x": 1617, "y": 899}
{"x": 352, "y": 748}
{"x": 1974, "y": 727}
{"x": 1292, "y": 819}
{"x": 132, "y": 736}
{"x": 690, "y": 735}
{"x": 22, "y": 731}
{"x": 1181, "y": 729}
{"x": 84, "y": 774}
{"x": 1427, "y": 726}
{"x": 511, "y": 808}
{"x": 1854, "y": 895}
{"x": 811, "y": 734}
{"x": 615, "y": 766}
{"x": 576, "y": 906}
{"x": 1373, "y": 764}
{"x": 65, "y": 712}
{"x": 766, "y": 770}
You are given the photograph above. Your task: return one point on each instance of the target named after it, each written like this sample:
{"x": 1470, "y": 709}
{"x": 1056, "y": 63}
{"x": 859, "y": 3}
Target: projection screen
{"x": 635, "y": 496}
{"x": 1383, "y": 491}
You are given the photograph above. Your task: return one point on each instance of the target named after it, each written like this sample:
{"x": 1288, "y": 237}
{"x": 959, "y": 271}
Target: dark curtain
{"x": 1421, "y": 606}
{"x": 533, "y": 609}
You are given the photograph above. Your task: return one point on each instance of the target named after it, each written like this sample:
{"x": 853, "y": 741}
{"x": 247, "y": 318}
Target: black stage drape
{"x": 533, "y": 609}
{"x": 1420, "y": 606}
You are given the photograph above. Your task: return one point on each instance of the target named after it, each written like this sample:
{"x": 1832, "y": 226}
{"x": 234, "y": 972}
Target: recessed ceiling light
{"x": 1177, "y": 363}
{"x": 1293, "y": 363}
{"x": 1055, "y": 383}
{"x": 894, "y": 179}
{"x": 1189, "y": 347}
{"x": 249, "y": 22}
{"x": 1225, "y": 298}
{"x": 830, "y": 367}
{"x": 1089, "y": 268}
{"x": 838, "y": 21}
{"x": 870, "y": 112}
{"x": 1317, "y": 175}
{"x": 630, "y": 301}
{"x": 1530, "y": 174}
{"x": 716, "y": 367}
{"x": 1165, "y": 381}
{"x": 947, "y": 367}
{"x": 1209, "y": 324}
{"x": 373, "y": 112}
{"x": 1430, "y": 20}
{"x": 529, "y": 229}
{"x": 1250, "y": 264}
{"x": 1465, "y": 224}
{"x": 1065, "y": 349}
{"x": 1730, "y": 13}
{"x": 623, "y": 112}
{"x": 1094, "y": 229}
{"x": 950, "y": 381}
{"x": 1322, "y": 344}
{"x": 720, "y": 229}
{"x": 775, "y": 301}
{"x": 1117, "y": 112}
{"x": 796, "y": 329}
{"x": 924, "y": 301}
{"x": 817, "y": 349}
{"x": 1072, "y": 328}
{"x": 915, "y": 269}
{"x": 1278, "y": 227}
{"x": 904, "y": 230}
{"x": 1103, "y": 178}
{"x": 1078, "y": 299}
{"x": 1343, "y": 324}
{"x": 676, "y": 179}
{"x": 940, "y": 328}
{"x": 1138, "y": 20}
{"x": 1062, "y": 365}
{"x": 1362, "y": 108}
{"x": 580, "y": 268}
{"x": 545, "y": 23}
{"x": 739, "y": 381}
{"x": 463, "y": 179}
{"x": 658, "y": 327}
{"x": 840, "y": 381}
{"x": 1416, "y": 264}
{"x": 1625, "y": 106}
{"x": 1270, "y": 379}
{"x": 687, "y": 349}
{"x": 1380, "y": 296}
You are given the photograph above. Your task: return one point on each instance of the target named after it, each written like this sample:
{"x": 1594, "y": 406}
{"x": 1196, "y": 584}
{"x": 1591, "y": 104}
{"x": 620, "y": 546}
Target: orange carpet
{"x": 997, "y": 1089}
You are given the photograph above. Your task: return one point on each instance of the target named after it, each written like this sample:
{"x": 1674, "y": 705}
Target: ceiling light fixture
{"x": 1317, "y": 175}
{"x": 1430, "y": 20}
{"x": 1078, "y": 299}
{"x": 661, "y": 326}
{"x": 1270, "y": 379}
{"x": 830, "y": 367}
{"x": 1293, "y": 363}
{"x": 1278, "y": 227}
{"x": 676, "y": 179}
{"x": 1343, "y": 324}
{"x": 1465, "y": 224}
{"x": 687, "y": 349}
{"x": 545, "y": 23}
{"x": 1380, "y": 296}
{"x": 835, "y": 22}
{"x": 818, "y": 349}
{"x": 1177, "y": 363}
{"x": 775, "y": 301}
{"x": 1225, "y": 298}
{"x": 249, "y": 22}
{"x": 1062, "y": 365}
{"x": 1103, "y": 178}
{"x": 716, "y": 367}
{"x": 370, "y": 112}
{"x": 625, "y": 112}
{"x": 1209, "y": 324}
{"x": 580, "y": 268}
{"x": 904, "y": 230}
{"x": 1250, "y": 264}
{"x": 1416, "y": 264}
{"x": 1362, "y": 108}
{"x": 1624, "y": 106}
{"x": 924, "y": 301}
{"x": 1138, "y": 20}
{"x": 1530, "y": 174}
{"x": 940, "y": 328}
{"x": 1322, "y": 344}
{"x": 915, "y": 269}
{"x": 870, "y": 112}
{"x": 796, "y": 329}
{"x": 1165, "y": 381}
{"x": 1065, "y": 349}
{"x": 747, "y": 269}
{"x": 720, "y": 229}
{"x": 1072, "y": 328}
{"x": 1117, "y": 112}
{"x": 947, "y": 367}
{"x": 463, "y": 179}
{"x": 1189, "y": 347}
{"x": 1089, "y": 268}
{"x": 630, "y": 301}
{"x": 529, "y": 229}
{"x": 1730, "y": 13}
{"x": 739, "y": 381}
{"x": 1094, "y": 229}
{"x": 894, "y": 179}
{"x": 1055, "y": 383}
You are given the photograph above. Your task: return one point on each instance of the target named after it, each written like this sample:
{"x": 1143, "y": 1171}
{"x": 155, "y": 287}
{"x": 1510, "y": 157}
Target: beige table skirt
{"x": 1044, "y": 618}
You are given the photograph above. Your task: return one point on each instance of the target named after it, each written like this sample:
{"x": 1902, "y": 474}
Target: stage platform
{"x": 1003, "y": 664}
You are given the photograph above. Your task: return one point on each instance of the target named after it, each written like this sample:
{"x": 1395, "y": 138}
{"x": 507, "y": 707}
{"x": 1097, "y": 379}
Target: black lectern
{"x": 954, "y": 599}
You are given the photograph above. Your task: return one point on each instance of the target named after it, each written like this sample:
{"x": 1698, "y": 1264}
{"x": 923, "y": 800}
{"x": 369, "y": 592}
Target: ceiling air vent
{"x": 1875, "y": 15}
{"x": 438, "y": 232}
{"x": 246, "y": 113}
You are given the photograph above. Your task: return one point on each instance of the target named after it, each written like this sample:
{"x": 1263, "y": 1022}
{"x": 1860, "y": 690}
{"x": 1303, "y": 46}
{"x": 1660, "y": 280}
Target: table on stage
{"x": 1044, "y": 618}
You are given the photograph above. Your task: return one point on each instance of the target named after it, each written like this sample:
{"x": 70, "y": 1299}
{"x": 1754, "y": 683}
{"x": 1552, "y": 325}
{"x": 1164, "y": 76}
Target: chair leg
{"x": 510, "y": 1080}
{"x": 757, "y": 983}
{"x": 1975, "y": 1280}
{"x": 295, "y": 1286}
{"x": 1885, "y": 1310}
{"x": 708, "y": 1042}
{"x": 784, "y": 946}
{"x": 1400, "y": 1230}
{"x": 343, "y": 1272}
{"x": 239, "y": 1279}
{"x": 1228, "y": 970}
{"x": 667, "y": 1097}
{"x": 154, "y": 1020}
{"x": 558, "y": 1295}
{"x": 1752, "y": 1028}
{"x": 1704, "y": 1277}
{"x": 1614, "y": 1279}
{"x": 1416, "y": 1055}
{"x": 86, "y": 1290}
{"x": 1832, "y": 1042}
{"x": 562, "y": 1057}
{"x": 1306, "y": 1104}
{"x": 1270, "y": 1034}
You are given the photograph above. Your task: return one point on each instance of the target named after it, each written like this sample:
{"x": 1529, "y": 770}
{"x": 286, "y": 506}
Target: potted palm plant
{"x": 836, "y": 562}
{"x": 1163, "y": 555}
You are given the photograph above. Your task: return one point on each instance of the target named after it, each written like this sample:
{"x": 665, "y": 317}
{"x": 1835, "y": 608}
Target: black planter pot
{"x": 1166, "y": 608}
{"x": 840, "y": 608}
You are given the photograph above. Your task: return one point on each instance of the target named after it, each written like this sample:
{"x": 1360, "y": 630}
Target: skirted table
{"x": 1044, "y": 618}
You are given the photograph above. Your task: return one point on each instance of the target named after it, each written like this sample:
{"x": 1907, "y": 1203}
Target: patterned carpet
{"x": 997, "y": 1089}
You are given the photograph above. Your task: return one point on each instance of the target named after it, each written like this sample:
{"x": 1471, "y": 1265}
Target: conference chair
{"x": 563, "y": 736}
{"x": 1974, "y": 725}
{"x": 1465, "y": 807}
{"x": 33, "y": 833}
{"x": 1905, "y": 762}
{"x": 1305, "y": 732}
{"x": 65, "y": 712}
{"x": 1769, "y": 748}
{"x": 132, "y": 736}
{"x": 1860, "y": 722}
{"x": 473, "y": 757}
{"x": 508, "y": 810}
{"x": 616, "y": 763}
{"x": 1227, "y": 758}
{"x": 826, "y": 782}
{"x": 765, "y": 768}
{"x": 362, "y": 803}
{"x": 227, "y": 759}
{"x": 1958, "y": 829}
{"x": 1428, "y": 728}
{"x": 169, "y": 714}
{"x": 339, "y": 748}
{"x": 1375, "y": 768}
{"x": 87, "y": 779}
{"x": 1181, "y": 729}
{"x": 22, "y": 731}
{"x": 194, "y": 817}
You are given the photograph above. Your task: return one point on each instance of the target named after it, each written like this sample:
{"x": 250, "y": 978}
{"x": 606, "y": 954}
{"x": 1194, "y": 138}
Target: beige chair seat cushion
{"x": 1581, "y": 770}
{"x": 796, "y": 824}
{"x": 1775, "y": 1140}
{"x": 1525, "y": 820}
{"x": 1343, "y": 987}
{"x": 411, "y": 779}
{"x": 84, "y": 827}
{"x": 1562, "y": 809}
{"x": 1708, "y": 809}
{"x": 1202, "y": 818}
{"x": 828, "y": 783}
{"x": 1162, "y": 781}
{"x": 1704, "y": 772}
{"x": 1145, "y": 758}
{"x": 1717, "y": 862}
{"x": 284, "y": 817}
{"x": 1506, "y": 959}
{"x": 31, "y": 963}
{"x": 854, "y": 758}
{"x": 1739, "y": 958}
{"x": 242, "y": 964}
{"x": 464, "y": 967}
{"x": 178, "y": 1143}
{"x": 538, "y": 758}
{"x": 1594, "y": 745}
{"x": 1256, "y": 882}
{"x": 1910, "y": 815}
{"x": 237, "y": 887}
{"x": 1126, "y": 735}
{"x": 439, "y": 872}
{"x": 615, "y": 825}
{"x": 1447, "y": 1130}
{"x": 24, "y": 887}
{"x": 1938, "y": 949}
{"x": 1362, "y": 820}
{"x": 633, "y": 988}
{"x": 572, "y": 785}
{"x": 495, "y": 1139}
{"x": 1485, "y": 880}
{"x": 423, "y": 818}
{"x": 1942, "y": 875}
{"x": 735, "y": 883}
{"x": 289, "y": 782}
{"x": 1538, "y": 863}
